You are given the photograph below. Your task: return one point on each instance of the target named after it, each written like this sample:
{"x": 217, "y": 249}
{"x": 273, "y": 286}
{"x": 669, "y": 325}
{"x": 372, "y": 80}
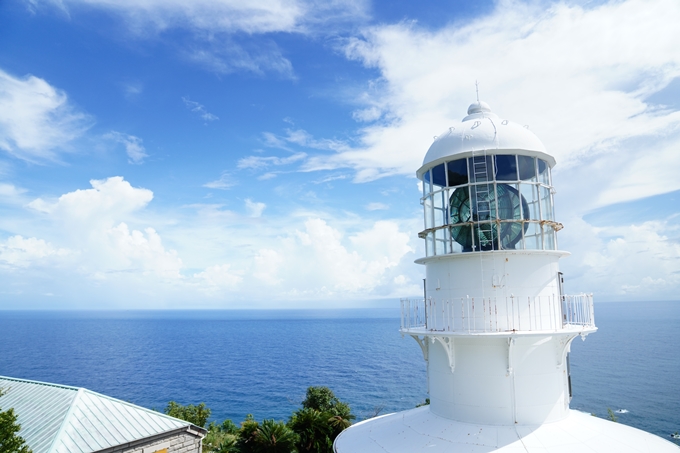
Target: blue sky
{"x": 213, "y": 154}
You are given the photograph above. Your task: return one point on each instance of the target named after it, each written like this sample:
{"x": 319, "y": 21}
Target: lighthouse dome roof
{"x": 483, "y": 130}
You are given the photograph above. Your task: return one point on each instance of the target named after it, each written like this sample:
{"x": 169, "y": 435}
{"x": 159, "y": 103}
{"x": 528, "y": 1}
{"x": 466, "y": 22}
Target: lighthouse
{"x": 495, "y": 325}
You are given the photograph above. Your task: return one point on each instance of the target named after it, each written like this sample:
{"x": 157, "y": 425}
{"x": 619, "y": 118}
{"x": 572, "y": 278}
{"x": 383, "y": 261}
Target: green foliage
{"x": 319, "y": 398}
{"x": 221, "y": 438}
{"x": 198, "y": 415}
{"x": 275, "y": 437}
{"x": 311, "y": 429}
{"x": 322, "y": 418}
{"x": 217, "y": 441}
{"x": 247, "y": 434}
{"x": 612, "y": 415}
{"x": 10, "y": 442}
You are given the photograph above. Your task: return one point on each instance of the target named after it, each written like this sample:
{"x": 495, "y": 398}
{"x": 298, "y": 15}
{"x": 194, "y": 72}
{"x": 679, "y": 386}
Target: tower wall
{"x": 500, "y": 381}
{"x": 495, "y": 291}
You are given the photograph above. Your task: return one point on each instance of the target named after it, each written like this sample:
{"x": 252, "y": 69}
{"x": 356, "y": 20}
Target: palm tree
{"x": 313, "y": 430}
{"x": 275, "y": 437}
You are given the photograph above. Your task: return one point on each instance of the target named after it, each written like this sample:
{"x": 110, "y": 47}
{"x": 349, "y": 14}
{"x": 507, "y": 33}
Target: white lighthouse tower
{"x": 495, "y": 326}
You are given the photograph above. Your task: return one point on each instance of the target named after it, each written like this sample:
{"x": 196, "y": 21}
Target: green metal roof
{"x": 61, "y": 419}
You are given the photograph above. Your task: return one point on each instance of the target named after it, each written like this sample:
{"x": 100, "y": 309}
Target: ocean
{"x": 260, "y": 362}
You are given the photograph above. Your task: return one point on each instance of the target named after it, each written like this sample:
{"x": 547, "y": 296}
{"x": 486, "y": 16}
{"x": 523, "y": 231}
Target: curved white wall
{"x": 500, "y": 384}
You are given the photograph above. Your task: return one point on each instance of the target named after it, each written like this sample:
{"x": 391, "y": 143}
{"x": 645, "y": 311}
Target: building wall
{"x": 182, "y": 442}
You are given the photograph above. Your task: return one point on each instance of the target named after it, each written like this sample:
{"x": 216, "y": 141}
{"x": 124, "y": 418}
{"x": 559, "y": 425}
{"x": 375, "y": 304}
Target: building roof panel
{"x": 62, "y": 419}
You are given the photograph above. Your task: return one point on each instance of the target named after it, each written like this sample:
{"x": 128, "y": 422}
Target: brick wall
{"x": 182, "y": 442}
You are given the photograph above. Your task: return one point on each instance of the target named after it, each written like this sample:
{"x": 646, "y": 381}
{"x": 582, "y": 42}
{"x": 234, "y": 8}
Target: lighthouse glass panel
{"x": 488, "y": 202}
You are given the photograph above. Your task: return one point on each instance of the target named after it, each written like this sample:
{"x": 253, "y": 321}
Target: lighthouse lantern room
{"x": 495, "y": 325}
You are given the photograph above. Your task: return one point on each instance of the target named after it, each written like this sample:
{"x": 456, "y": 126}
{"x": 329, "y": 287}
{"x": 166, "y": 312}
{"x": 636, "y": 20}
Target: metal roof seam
{"x": 64, "y": 421}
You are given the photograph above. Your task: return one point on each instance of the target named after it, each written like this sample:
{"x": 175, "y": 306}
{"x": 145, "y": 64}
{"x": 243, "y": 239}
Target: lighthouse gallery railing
{"x": 480, "y": 315}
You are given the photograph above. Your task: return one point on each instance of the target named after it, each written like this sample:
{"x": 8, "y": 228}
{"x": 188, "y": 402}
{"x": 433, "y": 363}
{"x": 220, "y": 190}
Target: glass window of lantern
{"x": 548, "y": 237}
{"x": 506, "y": 167}
{"x": 429, "y": 244}
{"x": 527, "y": 168}
{"x": 483, "y": 201}
{"x": 480, "y": 168}
{"x": 442, "y": 242}
{"x": 486, "y": 236}
{"x": 546, "y": 204}
{"x": 439, "y": 206}
{"x": 457, "y": 172}
{"x": 427, "y": 187}
{"x": 530, "y": 194}
{"x": 543, "y": 172}
{"x": 427, "y": 207}
{"x": 438, "y": 177}
{"x": 532, "y": 237}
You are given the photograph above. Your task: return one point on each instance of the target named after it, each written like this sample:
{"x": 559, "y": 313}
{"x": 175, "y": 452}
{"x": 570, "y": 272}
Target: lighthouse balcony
{"x": 508, "y": 315}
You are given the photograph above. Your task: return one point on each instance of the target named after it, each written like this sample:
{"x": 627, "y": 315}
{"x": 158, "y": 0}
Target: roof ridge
{"x": 65, "y": 420}
{"x": 48, "y": 384}
{"x": 135, "y": 406}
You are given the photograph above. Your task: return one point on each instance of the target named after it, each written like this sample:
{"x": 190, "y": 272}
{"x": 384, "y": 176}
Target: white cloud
{"x": 107, "y": 202}
{"x": 266, "y": 176}
{"x": 321, "y": 263}
{"x": 254, "y": 209}
{"x": 19, "y": 252}
{"x": 231, "y": 16}
{"x": 133, "y": 146}
{"x": 132, "y": 90}
{"x": 218, "y": 277}
{"x": 199, "y": 109}
{"x": 36, "y": 119}
{"x": 11, "y": 194}
{"x": 228, "y": 56}
{"x": 377, "y": 206}
{"x": 226, "y": 181}
{"x": 216, "y": 26}
{"x": 266, "y": 266}
{"x": 139, "y": 252}
{"x": 104, "y": 242}
{"x": 579, "y": 76}
{"x": 259, "y": 162}
{"x": 634, "y": 262}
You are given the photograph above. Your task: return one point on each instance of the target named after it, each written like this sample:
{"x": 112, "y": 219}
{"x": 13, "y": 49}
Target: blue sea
{"x": 261, "y": 362}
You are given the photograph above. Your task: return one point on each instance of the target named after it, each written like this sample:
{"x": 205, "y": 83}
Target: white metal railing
{"x": 479, "y": 315}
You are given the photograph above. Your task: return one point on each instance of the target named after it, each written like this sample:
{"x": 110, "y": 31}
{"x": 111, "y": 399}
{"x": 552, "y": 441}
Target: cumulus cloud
{"x": 634, "y": 262}
{"x": 321, "y": 262}
{"x": 109, "y": 200}
{"x": 101, "y": 241}
{"x": 142, "y": 252}
{"x": 199, "y": 109}
{"x": 36, "y": 119}
{"x": 20, "y": 252}
{"x": 88, "y": 243}
{"x": 133, "y": 146}
{"x": 218, "y": 277}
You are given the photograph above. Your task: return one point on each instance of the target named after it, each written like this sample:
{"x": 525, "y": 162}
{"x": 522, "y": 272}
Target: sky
{"x": 233, "y": 154}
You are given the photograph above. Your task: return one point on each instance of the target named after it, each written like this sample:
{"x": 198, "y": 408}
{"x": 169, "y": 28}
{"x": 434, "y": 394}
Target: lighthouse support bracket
{"x": 563, "y": 348}
{"x": 424, "y": 346}
{"x": 447, "y": 344}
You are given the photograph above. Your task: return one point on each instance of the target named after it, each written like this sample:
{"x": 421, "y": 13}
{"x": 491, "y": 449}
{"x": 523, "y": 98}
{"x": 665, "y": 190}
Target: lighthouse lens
{"x": 491, "y": 210}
